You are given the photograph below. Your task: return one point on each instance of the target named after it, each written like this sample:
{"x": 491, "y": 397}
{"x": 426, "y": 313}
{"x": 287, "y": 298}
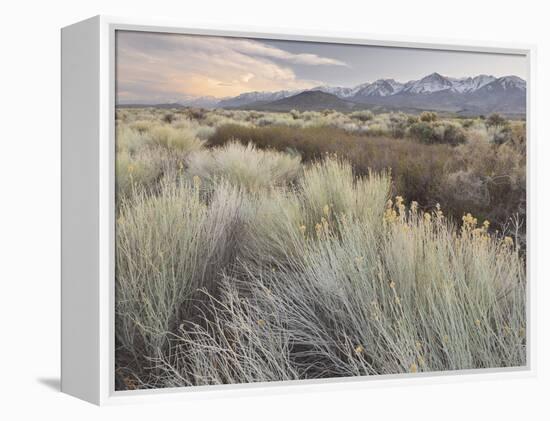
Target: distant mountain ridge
{"x": 481, "y": 94}
{"x": 468, "y": 95}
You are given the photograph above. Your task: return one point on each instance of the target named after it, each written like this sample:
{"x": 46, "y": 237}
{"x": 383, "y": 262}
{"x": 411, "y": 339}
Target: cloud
{"x": 154, "y": 66}
{"x": 257, "y": 48}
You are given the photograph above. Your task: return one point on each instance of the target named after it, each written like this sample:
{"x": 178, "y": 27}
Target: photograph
{"x": 305, "y": 210}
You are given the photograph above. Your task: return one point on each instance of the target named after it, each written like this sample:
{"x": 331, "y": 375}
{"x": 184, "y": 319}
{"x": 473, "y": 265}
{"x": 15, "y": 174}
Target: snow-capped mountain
{"x": 381, "y": 87}
{"x": 428, "y": 84}
{"x": 508, "y": 82}
{"x": 470, "y": 84}
{"x": 339, "y": 91}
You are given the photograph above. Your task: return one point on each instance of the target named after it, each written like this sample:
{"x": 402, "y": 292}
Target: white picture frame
{"x": 88, "y": 180}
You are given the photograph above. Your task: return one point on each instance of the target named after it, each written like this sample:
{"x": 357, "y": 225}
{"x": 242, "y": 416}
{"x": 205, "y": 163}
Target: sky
{"x": 158, "y": 67}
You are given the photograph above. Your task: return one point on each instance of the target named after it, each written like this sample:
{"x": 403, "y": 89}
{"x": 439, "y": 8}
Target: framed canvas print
{"x": 245, "y": 210}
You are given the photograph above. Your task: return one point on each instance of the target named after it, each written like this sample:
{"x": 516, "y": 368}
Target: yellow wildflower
{"x": 359, "y": 349}
{"x": 390, "y": 215}
{"x": 196, "y": 181}
{"x": 508, "y": 241}
{"x": 468, "y": 222}
{"x": 413, "y": 368}
{"x": 261, "y": 322}
{"x": 326, "y": 210}
{"x": 303, "y": 229}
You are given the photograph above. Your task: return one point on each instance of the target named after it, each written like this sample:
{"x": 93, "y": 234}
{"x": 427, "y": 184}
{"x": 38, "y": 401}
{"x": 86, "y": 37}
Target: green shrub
{"x": 431, "y": 133}
{"x": 423, "y": 132}
{"x": 398, "y": 124}
{"x": 454, "y": 135}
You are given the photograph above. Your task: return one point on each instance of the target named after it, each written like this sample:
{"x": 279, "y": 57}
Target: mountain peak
{"x": 381, "y": 88}
{"x": 433, "y": 82}
{"x": 315, "y": 100}
{"x": 434, "y": 75}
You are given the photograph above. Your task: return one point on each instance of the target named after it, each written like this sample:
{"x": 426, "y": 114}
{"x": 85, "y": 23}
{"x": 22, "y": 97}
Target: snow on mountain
{"x": 381, "y": 87}
{"x": 340, "y": 92}
{"x": 428, "y": 84}
{"x": 511, "y": 82}
{"x": 470, "y": 84}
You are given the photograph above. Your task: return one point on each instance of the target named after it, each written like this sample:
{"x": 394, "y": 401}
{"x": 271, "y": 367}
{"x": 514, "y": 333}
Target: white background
{"x": 29, "y": 206}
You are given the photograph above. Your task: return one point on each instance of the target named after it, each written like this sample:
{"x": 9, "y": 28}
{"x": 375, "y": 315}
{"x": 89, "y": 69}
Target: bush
{"x": 243, "y": 166}
{"x": 428, "y": 116}
{"x": 502, "y": 134}
{"x": 398, "y": 125}
{"x": 168, "y": 118}
{"x": 430, "y": 133}
{"x": 169, "y": 246}
{"x": 412, "y": 119}
{"x": 454, "y": 135}
{"x": 156, "y": 265}
{"x": 363, "y": 115}
{"x": 182, "y": 140}
{"x": 467, "y": 123}
{"x": 423, "y": 132}
{"x": 495, "y": 120}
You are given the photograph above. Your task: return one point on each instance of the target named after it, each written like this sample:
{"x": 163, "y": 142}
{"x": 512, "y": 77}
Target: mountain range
{"x": 481, "y": 94}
